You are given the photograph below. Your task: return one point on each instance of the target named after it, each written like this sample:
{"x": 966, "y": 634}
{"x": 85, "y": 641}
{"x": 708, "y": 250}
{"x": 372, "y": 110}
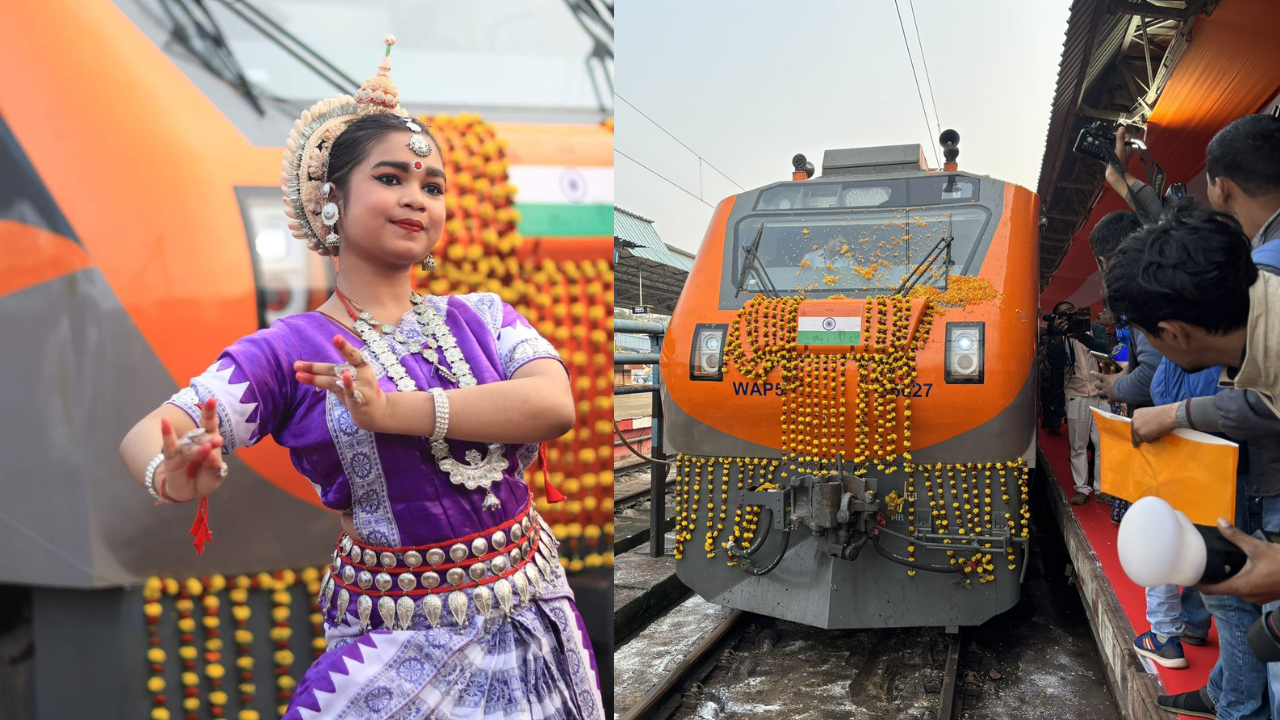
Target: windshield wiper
{"x": 940, "y": 248}
{"x": 756, "y": 271}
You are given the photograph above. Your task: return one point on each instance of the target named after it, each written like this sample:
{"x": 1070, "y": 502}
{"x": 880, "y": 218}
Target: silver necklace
{"x": 477, "y": 471}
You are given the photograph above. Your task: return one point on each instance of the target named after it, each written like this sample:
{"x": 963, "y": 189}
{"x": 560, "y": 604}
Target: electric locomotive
{"x": 849, "y": 387}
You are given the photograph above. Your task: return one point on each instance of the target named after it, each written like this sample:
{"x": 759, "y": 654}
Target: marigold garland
{"x": 152, "y": 610}
{"x": 567, "y": 301}
{"x": 761, "y": 339}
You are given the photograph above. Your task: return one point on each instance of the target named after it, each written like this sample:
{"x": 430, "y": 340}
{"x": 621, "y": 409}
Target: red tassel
{"x": 200, "y": 527}
{"x": 553, "y": 495}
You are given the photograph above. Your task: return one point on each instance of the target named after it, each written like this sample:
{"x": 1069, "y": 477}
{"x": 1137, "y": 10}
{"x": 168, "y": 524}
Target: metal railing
{"x": 657, "y": 470}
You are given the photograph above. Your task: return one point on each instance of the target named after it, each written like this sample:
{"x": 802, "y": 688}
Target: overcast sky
{"x": 746, "y": 84}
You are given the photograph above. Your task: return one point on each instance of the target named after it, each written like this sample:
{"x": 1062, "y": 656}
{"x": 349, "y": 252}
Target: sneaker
{"x": 1195, "y": 640}
{"x": 1167, "y": 653}
{"x": 1118, "y": 509}
{"x": 1195, "y": 703}
{"x": 1079, "y": 498}
{"x": 1104, "y": 498}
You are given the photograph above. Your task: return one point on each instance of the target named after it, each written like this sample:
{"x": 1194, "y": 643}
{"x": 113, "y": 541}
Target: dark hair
{"x": 1111, "y": 230}
{"x": 1248, "y": 152}
{"x": 1192, "y": 266}
{"x": 1060, "y": 304}
{"x": 354, "y": 143}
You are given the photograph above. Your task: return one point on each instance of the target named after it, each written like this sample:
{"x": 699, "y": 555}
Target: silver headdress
{"x": 305, "y": 178}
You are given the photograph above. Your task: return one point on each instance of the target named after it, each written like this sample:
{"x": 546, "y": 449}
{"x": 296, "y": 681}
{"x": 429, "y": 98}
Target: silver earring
{"x": 428, "y": 263}
{"x": 329, "y": 214}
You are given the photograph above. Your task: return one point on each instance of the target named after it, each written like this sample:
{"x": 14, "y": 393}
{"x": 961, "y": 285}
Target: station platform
{"x": 1115, "y": 605}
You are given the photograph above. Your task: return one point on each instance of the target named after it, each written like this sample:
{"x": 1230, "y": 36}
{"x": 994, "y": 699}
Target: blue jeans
{"x": 1270, "y": 512}
{"x": 1175, "y": 613}
{"x": 1238, "y": 682}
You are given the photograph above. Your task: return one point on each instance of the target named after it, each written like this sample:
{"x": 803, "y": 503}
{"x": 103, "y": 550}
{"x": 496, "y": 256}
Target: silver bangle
{"x": 442, "y": 415}
{"x": 152, "y": 466}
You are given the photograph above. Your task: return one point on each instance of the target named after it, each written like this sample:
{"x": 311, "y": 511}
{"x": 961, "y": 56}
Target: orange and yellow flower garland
{"x": 566, "y": 300}
{"x": 813, "y": 423}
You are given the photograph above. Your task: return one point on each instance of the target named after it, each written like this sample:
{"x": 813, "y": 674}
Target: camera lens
{"x": 1264, "y": 638}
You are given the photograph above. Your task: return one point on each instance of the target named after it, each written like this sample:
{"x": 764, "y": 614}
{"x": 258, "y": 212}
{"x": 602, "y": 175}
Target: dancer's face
{"x": 394, "y": 212}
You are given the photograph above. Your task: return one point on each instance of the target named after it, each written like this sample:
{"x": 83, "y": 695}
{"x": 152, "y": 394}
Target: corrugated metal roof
{"x": 639, "y": 230}
{"x": 1093, "y": 53}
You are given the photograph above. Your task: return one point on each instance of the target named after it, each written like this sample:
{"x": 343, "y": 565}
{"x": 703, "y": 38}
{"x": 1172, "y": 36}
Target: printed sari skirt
{"x": 479, "y": 627}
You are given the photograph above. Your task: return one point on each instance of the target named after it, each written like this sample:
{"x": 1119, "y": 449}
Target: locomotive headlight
{"x": 706, "y": 360}
{"x": 965, "y": 354}
{"x": 287, "y": 276}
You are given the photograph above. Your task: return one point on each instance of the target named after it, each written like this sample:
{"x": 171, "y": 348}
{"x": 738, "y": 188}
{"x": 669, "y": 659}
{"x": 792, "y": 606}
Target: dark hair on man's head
{"x": 1058, "y": 308}
{"x": 353, "y": 144}
{"x": 1111, "y": 230}
{"x": 1248, "y": 153}
{"x": 1192, "y": 266}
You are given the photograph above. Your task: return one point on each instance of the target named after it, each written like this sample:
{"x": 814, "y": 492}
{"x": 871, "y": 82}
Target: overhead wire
{"x": 660, "y": 175}
{"x": 673, "y": 137}
{"x": 937, "y": 119}
{"x": 919, "y": 93}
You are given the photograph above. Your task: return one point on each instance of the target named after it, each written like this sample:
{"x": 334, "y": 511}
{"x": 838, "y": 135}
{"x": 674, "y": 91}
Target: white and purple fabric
{"x": 536, "y": 664}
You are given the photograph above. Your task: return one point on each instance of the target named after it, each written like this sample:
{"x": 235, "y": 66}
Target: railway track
{"x": 1037, "y": 661}
{"x": 749, "y": 666}
{"x": 633, "y": 486}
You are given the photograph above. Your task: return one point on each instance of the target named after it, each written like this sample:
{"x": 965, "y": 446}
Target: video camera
{"x": 1077, "y": 322}
{"x": 1098, "y": 141}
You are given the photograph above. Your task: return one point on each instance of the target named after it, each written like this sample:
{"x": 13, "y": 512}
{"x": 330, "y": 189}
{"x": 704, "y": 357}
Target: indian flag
{"x": 564, "y": 178}
{"x": 828, "y": 323}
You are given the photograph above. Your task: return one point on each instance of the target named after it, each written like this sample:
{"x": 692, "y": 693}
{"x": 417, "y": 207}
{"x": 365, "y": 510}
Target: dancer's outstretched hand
{"x": 193, "y": 464}
{"x": 354, "y": 383}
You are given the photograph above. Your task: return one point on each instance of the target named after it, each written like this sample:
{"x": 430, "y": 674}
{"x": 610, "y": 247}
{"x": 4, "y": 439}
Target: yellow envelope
{"x": 1192, "y": 471}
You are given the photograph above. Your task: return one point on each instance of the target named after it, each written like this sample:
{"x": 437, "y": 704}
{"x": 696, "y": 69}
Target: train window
{"x": 289, "y": 277}
{"x": 817, "y": 195}
{"x": 943, "y": 189}
{"x": 855, "y": 252}
{"x": 784, "y": 197}
{"x": 864, "y": 196}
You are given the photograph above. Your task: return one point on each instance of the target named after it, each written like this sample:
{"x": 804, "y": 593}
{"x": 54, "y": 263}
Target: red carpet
{"x": 1095, "y": 520}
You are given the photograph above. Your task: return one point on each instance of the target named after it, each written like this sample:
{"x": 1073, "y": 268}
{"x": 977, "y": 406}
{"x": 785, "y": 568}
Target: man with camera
{"x": 1243, "y": 167}
{"x": 1072, "y": 339}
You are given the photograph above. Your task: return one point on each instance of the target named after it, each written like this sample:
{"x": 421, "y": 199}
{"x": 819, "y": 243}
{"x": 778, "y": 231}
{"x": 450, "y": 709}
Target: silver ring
{"x": 357, "y": 397}
{"x": 337, "y": 371}
{"x": 222, "y": 471}
{"x": 191, "y": 437}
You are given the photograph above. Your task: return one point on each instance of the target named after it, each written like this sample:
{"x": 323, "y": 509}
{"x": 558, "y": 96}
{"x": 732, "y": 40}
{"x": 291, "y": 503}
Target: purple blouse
{"x": 390, "y": 483}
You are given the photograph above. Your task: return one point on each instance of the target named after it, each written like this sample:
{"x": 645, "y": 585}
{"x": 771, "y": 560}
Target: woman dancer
{"x": 415, "y": 416}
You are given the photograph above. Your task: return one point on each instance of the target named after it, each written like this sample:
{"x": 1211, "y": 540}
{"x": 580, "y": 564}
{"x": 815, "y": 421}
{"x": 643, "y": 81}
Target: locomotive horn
{"x": 803, "y": 169}
{"x": 950, "y": 141}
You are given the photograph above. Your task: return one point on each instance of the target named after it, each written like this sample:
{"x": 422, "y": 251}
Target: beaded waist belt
{"x": 491, "y": 569}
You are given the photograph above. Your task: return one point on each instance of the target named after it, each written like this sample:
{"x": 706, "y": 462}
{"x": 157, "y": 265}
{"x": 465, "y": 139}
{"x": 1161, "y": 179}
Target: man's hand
{"x": 1123, "y": 150}
{"x": 1151, "y": 424}
{"x": 1116, "y": 179}
{"x": 1060, "y": 324}
{"x": 1259, "y": 580}
{"x": 1104, "y": 384}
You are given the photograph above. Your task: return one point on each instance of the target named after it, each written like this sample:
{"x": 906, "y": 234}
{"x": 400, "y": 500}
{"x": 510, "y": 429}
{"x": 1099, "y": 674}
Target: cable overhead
{"x": 660, "y": 175}
{"x": 937, "y": 119}
{"x": 673, "y": 137}
{"x": 919, "y": 93}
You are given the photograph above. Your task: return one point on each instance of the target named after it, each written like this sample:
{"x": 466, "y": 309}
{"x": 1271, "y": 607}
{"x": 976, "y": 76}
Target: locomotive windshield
{"x": 857, "y": 251}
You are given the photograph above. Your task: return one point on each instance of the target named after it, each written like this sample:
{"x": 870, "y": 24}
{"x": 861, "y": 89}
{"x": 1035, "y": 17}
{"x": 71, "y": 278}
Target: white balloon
{"x": 1159, "y": 546}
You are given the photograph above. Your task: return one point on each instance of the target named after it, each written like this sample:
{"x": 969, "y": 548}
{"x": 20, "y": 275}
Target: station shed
{"x": 648, "y": 272}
